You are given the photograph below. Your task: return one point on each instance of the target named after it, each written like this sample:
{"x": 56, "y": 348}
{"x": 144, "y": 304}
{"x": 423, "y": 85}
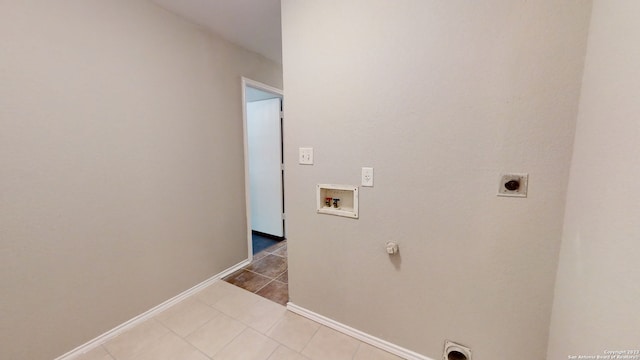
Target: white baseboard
{"x": 364, "y": 337}
{"x": 92, "y": 344}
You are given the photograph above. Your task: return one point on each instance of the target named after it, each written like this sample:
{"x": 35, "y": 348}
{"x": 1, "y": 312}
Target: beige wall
{"x": 596, "y": 304}
{"x": 121, "y": 157}
{"x": 439, "y": 97}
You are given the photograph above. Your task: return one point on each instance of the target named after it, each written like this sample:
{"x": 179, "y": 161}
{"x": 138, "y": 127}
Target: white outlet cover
{"x": 367, "y": 176}
{"x": 305, "y": 156}
{"x": 522, "y": 178}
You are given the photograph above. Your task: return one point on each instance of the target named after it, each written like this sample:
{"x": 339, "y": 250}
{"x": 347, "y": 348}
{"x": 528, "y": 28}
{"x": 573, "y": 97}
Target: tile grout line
{"x": 274, "y": 350}
{"x": 266, "y": 333}
{"x": 272, "y": 280}
{"x": 266, "y": 252}
{"x": 311, "y": 338}
{"x": 265, "y": 285}
{"x": 107, "y": 351}
{"x": 357, "y": 349}
{"x": 234, "y": 338}
{"x": 213, "y": 318}
{"x": 247, "y": 327}
{"x": 140, "y": 351}
{"x": 184, "y": 338}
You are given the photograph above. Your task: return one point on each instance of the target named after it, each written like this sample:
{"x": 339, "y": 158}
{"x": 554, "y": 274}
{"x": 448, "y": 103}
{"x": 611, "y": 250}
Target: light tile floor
{"x": 225, "y": 322}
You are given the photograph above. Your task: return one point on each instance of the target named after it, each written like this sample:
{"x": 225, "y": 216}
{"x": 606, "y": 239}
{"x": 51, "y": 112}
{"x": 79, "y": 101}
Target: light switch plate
{"x": 367, "y": 176}
{"x": 305, "y": 156}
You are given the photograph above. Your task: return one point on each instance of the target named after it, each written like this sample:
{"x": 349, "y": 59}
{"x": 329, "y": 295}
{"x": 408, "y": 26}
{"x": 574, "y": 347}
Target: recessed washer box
{"x": 346, "y": 196}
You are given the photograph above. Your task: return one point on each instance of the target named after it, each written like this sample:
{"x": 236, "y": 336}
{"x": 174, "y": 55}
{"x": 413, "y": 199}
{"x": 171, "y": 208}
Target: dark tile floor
{"x": 267, "y": 274}
{"x": 261, "y": 242}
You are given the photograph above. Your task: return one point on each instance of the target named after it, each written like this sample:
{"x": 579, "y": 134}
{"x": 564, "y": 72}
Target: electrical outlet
{"x": 367, "y": 176}
{"x": 305, "y": 156}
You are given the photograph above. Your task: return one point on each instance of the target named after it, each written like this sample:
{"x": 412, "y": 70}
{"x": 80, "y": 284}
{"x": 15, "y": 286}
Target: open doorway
{"x": 264, "y": 190}
{"x": 264, "y": 167}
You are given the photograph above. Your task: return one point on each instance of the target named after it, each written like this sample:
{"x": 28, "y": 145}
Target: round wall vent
{"x": 454, "y": 351}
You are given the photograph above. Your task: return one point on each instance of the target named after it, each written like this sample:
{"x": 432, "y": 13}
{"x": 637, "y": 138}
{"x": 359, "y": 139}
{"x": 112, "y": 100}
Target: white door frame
{"x": 247, "y": 187}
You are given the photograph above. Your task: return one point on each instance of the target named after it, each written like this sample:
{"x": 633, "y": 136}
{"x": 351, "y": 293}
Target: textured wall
{"x": 439, "y": 97}
{"x": 596, "y": 299}
{"x": 121, "y": 157}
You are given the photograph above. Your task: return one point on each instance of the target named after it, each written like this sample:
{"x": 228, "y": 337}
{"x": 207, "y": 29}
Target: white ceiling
{"x": 252, "y": 24}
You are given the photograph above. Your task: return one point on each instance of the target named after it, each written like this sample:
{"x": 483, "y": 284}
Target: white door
{"x": 265, "y": 171}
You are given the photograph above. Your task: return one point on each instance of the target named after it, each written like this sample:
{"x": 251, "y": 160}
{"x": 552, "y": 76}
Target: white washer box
{"x": 348, "y": 204}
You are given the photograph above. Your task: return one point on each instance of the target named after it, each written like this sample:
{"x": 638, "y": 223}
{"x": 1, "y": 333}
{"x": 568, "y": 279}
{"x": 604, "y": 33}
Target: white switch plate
{"x": 305, "y": 156}
{"x": 367, "y": 176}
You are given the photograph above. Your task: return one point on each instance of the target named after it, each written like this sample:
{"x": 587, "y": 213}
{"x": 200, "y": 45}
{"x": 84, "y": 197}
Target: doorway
{"x": 264, "y": 164}
{"x": 267, "y": 274}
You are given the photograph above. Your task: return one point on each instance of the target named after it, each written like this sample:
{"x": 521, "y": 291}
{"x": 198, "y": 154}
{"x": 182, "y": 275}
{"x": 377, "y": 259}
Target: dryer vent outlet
{"x": 513, "y": 185}
{"x": 454, "y": 351}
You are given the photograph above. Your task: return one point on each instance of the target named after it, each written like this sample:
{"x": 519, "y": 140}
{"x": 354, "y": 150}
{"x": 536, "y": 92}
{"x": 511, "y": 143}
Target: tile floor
{"x": 261, "y": 242}
{"x": 224, "y": 322}
{"x": 267, "y": 274}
